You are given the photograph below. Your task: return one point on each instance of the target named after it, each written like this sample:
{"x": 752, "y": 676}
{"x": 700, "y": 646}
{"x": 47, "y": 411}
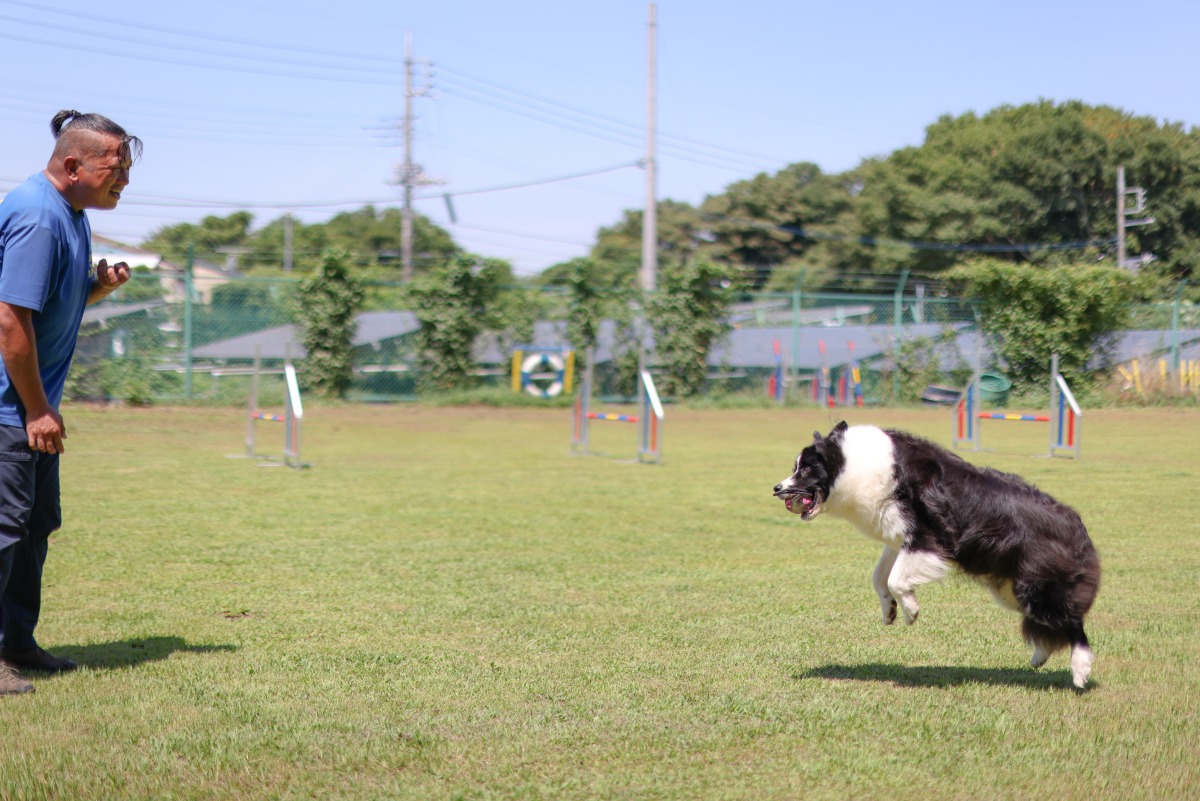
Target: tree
{"x": 1038, "y": 174}
{"x": 617, "y": 254}
{"x": 213, "y": 233}
{"x": 454, "y": 303}
{"x": 143, "y": 285}
{"x": 369, "y": 238}
{"x": 329, "y": 301}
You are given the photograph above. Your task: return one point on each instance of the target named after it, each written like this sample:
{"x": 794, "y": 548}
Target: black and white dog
{"x": 935, "y": 512}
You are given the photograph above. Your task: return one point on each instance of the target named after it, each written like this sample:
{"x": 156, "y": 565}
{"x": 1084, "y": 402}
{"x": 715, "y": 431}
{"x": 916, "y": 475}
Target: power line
{"x": 608, "y": 130}
{"x": 541, "y": 182}
{"x": 5, "y": 34}
{"x": 125, "y": 23}
{"x": 134, "y": 199}
{"x": 175, "y": 46}
{"x": 635, "y": 129}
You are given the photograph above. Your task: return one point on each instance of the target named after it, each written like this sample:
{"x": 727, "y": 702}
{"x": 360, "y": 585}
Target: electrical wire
{"x": 322, "y": 76}
{"x": 126, "y": 23}
{"x": 664, "y": 137}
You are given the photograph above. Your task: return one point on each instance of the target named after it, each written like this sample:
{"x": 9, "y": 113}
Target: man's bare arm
{"x": 18, "y": 348}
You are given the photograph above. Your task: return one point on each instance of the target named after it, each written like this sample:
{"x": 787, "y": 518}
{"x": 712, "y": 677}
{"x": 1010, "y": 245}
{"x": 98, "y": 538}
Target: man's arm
{"x": 107, "y": 280}
{"x": 18, "y": 348}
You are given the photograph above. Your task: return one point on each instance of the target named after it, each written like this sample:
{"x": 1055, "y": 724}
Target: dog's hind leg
{"x": 912, "y": 569}
{"x": 1044, "y": 639}
{"x": 1081, "y": 661}
{"x": 1040, "y": 655}
{"x": 1048, "y": 639}
{"x": 880, "y": 580}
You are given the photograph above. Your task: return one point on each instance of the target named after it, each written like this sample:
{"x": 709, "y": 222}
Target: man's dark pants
{"x": 29, "y": 512}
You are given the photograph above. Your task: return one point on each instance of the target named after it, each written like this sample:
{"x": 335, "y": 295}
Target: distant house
{"x": 205, "y": 275}
{"x": 114, "y": 251}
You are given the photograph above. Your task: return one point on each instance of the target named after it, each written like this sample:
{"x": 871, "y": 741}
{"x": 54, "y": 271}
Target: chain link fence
{"x": 159, "y": 340}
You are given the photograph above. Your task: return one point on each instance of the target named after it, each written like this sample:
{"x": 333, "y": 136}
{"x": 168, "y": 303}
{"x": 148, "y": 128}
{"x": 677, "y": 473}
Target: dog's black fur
{"x": 933, "y": 511}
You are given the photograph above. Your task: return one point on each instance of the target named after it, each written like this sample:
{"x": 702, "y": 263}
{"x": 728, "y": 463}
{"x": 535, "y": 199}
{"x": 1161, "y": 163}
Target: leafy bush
{"x": 454, "y": 303}
{"x": 921, "y": 362}
{"x": 1031, "y": 312}
{"x": 132, "y": 380}
{"x": 688, "y": 314}
{"x": 329, "y": 301}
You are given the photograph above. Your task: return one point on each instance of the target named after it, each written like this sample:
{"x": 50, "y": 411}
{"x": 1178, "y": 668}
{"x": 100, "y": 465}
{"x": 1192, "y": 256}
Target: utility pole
{"x": 649, "y": 273}
{"x": 410, "y": 174}
{"x": 287, "y": 242}
{"x": 1139, "y": 206}
{"x": 406, "y": 176}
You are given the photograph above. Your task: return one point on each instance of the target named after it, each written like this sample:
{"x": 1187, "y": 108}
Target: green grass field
{"x": 448, "y": 605}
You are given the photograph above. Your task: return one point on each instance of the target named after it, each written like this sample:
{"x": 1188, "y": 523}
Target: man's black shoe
{"x": 37, "y": 659}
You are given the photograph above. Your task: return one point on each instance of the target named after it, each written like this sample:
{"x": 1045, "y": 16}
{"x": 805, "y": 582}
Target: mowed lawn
{"x": 449, "y": 605}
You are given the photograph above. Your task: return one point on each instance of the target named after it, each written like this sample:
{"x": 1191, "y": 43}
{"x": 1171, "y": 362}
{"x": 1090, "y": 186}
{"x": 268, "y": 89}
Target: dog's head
{"x": 806, "y": 490}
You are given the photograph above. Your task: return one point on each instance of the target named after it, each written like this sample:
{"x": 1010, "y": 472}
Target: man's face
{"x": 101, "y": 178}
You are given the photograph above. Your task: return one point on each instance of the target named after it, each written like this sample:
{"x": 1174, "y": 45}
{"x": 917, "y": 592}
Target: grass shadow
{"x": 943, "y": 677}
{"x": 131, "y": 653}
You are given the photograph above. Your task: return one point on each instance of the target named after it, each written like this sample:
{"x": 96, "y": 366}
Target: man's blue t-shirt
{"x": 45, "y": 265}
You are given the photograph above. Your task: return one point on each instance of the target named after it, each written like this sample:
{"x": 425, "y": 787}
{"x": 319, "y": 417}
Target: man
{"x": 46, "y": 280}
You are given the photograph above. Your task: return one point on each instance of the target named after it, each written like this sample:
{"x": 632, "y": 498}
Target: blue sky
{"x": 536, "y": 113}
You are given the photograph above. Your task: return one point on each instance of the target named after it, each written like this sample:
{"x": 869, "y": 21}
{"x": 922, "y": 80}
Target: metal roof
{"x": 103, "y": 312}
{"x": 371, "y": 329}
{"x": 800, "y": 348}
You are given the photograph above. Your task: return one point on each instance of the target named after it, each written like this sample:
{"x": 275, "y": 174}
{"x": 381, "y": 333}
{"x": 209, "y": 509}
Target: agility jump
{"x": 649, "y": 422}
{"x": 293, "y": 413}
{"x": 1065, "y": 417}
{"x": 848, "y": 390}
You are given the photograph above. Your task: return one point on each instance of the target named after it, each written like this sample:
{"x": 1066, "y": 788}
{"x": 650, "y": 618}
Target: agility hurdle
{"x": 649, "y": 422}
{"x": 293, "y": 413}
{"x": 1065, "y": 417}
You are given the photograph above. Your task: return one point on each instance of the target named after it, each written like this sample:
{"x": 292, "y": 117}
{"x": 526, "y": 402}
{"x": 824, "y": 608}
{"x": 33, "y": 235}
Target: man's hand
{"x": 46, "y": 432}
{"x": 110, "y": 278}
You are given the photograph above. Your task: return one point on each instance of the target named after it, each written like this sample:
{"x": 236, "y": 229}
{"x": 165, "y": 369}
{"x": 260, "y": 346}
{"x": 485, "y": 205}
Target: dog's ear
{"x": 818, "y": 438}
{"x": 838, "y": 430}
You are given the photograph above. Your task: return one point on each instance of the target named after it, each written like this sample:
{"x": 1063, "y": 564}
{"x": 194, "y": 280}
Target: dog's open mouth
{"x": 799, "y": 503}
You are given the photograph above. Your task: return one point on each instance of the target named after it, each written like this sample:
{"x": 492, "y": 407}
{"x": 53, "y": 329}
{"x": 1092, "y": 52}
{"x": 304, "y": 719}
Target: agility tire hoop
{"x": 543, "y": 365}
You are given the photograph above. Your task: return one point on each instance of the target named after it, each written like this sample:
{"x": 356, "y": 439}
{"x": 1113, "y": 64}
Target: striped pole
{"x": 1067, "y": 427}
{"x": 966, "y": 429}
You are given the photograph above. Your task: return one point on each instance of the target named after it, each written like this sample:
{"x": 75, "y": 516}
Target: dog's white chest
{"x": 864, "y": 493}
{"x": 881, "y": 522}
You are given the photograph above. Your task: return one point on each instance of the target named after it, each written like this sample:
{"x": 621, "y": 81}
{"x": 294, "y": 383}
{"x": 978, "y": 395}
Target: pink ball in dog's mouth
{"x": 798, "y": 504}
